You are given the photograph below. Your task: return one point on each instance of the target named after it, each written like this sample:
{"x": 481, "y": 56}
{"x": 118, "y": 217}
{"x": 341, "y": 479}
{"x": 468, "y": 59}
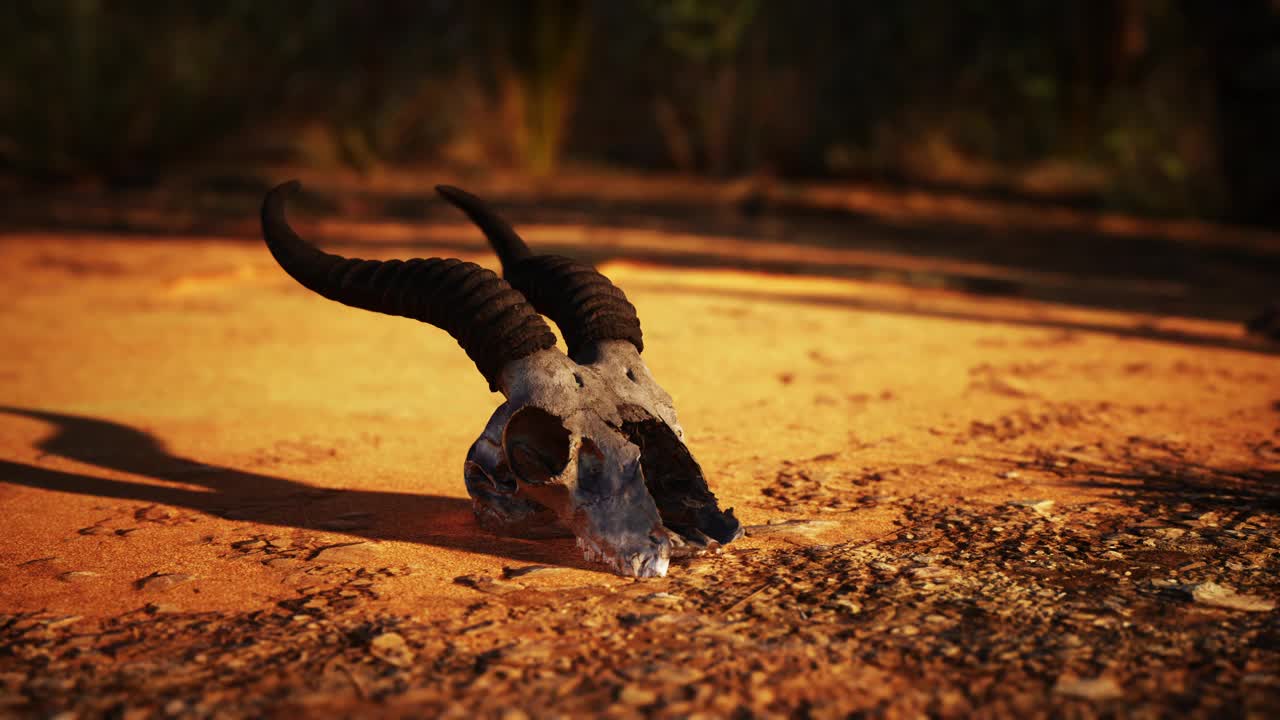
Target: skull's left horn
{"x": 586, "y": 306}
{"x": 492, "y": 321}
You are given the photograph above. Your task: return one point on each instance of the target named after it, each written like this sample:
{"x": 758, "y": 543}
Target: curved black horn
{"x": 492, "y": 321}
{"x": 587, "y": 307}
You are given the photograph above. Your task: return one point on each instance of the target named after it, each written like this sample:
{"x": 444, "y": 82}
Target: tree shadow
{"x": 1235, "y": 496}
{"x": 957, "y": 281}
{"x": 1131, "y": 276}
{"x": 1172, "y": 485}
{"x": 435, "y": 520}
{"x": 1140, "y": 332}
{"x": 1166, "y": 489}
{"x": 1088, "y": 268}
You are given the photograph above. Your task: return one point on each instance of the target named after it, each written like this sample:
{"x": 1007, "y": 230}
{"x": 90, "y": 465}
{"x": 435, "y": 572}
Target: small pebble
{"x": 162, "y": 581}
{"x": 637, "y": 696}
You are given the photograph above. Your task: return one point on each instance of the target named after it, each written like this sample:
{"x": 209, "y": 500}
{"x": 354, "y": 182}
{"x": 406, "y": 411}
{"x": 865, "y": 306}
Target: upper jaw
{"x": 624, "y": 532}
{"x": 643, "y": 563}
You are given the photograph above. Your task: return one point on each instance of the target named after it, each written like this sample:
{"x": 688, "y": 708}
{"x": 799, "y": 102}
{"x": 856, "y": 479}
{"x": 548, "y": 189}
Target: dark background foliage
{"x": 1150, "y": 106}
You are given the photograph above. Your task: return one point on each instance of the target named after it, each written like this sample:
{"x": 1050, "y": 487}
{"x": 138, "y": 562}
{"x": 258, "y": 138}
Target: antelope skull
{"x": 586, "y": 443}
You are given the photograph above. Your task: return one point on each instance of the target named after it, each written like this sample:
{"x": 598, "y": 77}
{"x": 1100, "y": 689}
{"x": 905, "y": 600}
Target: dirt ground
{"x": 224, "y": 496}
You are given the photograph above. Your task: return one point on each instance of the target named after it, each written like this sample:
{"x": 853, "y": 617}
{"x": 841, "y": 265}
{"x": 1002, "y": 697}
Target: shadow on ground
{"x": 1193, "y": 488}
{"x": 1156, "y": 275}
{"x": 255, "y": 497}
{"x": 1139, "y": 332}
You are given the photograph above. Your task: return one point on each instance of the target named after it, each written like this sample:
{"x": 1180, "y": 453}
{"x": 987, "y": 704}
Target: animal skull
{"x": 586, "y": 443}
{"x": 594, "y": 449}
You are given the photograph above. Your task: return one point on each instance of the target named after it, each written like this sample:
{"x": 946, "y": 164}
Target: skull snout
{"x": 615, "y": 519}
{"x": 600, "y": 496}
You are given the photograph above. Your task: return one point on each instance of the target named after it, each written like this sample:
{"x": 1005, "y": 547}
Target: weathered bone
{"x": 587, "y": 444}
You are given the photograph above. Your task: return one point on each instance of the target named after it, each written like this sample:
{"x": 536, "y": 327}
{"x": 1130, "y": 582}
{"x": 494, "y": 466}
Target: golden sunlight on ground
{"x": 185, "y": 430}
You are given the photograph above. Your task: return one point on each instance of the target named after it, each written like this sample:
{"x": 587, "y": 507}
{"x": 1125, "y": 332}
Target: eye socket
{"x": 578, "y": 379}
{"x": 631, "y": 375}
{"x": 536, "y": 444}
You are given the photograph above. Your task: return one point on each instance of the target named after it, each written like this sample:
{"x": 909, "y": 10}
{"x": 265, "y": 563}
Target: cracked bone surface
{"x": 585, "y": 443}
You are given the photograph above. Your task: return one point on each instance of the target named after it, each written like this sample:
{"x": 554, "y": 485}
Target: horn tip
{"x": 450, "y": 192}
{"x": 287, "y": 187}
{"x": 277, "y": 195}
{"x": 274, "y": 202}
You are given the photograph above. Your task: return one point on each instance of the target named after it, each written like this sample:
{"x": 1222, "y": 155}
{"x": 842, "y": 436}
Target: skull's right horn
{"x": 586, "y": 306}
{"x": 492, "y": 322}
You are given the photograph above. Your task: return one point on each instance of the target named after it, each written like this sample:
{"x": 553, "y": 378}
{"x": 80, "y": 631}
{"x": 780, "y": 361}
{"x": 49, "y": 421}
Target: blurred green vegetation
{"x": 1154, "y": 106}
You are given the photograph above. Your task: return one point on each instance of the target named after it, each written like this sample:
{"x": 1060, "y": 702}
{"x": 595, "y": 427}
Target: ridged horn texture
{"x": 492, "y": 321}
{"x": 582, "y": 302}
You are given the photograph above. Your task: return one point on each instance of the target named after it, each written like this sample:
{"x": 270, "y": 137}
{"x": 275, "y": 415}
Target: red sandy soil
{"x": 225, "y": 495}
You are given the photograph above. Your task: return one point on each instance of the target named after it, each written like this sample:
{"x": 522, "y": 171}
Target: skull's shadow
{"x": 435, "y": 520}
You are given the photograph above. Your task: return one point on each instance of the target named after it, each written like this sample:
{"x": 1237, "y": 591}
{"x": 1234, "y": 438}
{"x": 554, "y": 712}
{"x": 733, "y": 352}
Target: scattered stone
{"x": 348, "y": 521}
{"x": 801, "y": 527}
{"x": 63, "y": 621}
{"x": 1074, "y": 591}
{"x": 1097, "y": 689}
{"x": 155, "y": 513}
{"x": 536, "y": 653}
{"x": 1042, "y": 507}
{"x": 357, "y": 553}
{"x": 678, "y": 675}
{"x": 391, "y": 649}
{"x": 932, "y": 573}
{"x": 850, "y": 606}
{"x": 689, "y": 547}
{"x": 162, "y": 581}
{"x": 75, "y": 576}
{"x": 636, "y": 696}
{"x": 484, "y": 584}
{"x": 1215, "y": 595}
{"x": 510, "y": 573}
{"x": 1005, "y": 385}
{"x": 1209, "y": 519}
